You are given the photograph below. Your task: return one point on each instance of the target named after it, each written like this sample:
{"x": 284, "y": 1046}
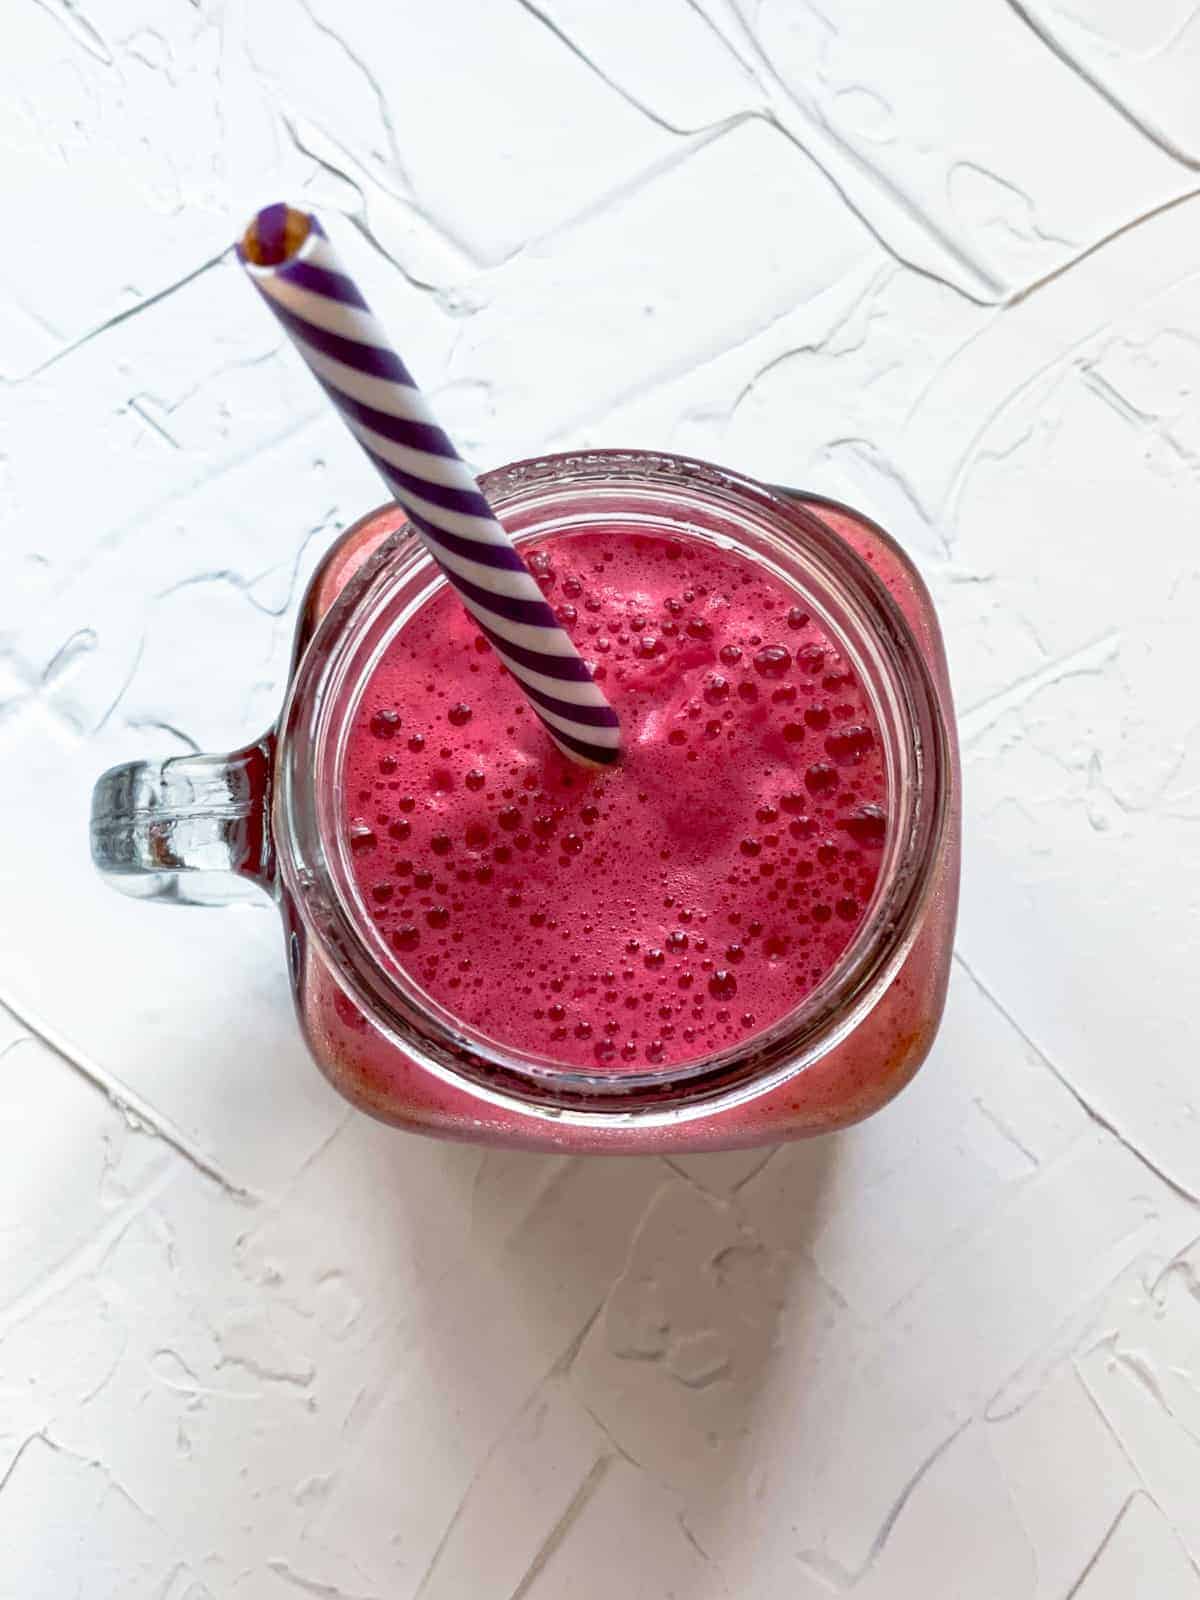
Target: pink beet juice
{"x": 739, "y": 933}
{"x": 646, "y": 915}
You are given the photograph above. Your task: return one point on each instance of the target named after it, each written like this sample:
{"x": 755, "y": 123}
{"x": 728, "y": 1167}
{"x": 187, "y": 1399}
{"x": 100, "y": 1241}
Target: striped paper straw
{"x": 293, "y": 265}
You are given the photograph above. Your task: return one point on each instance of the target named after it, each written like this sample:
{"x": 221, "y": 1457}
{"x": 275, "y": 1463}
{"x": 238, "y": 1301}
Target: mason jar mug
{"x": 269, "y": 820}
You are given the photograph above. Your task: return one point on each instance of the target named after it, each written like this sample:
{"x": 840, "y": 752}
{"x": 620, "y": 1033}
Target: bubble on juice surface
{"x": 847, "y": 746}
{"x": 867, "y": 825}
{"x": 362, "y": 836}
{"x": 772, "y": 661}
{"x": 821, "y": 778}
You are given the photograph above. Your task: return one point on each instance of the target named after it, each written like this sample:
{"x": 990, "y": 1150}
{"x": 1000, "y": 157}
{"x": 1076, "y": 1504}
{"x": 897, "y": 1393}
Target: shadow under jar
{"x": 271, "y": 818}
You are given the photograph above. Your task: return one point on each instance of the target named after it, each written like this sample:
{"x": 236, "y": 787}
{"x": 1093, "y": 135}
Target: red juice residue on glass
{"x": 654, "y": 913}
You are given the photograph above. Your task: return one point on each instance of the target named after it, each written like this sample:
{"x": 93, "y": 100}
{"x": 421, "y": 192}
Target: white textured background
{"x": 938, "y": 257}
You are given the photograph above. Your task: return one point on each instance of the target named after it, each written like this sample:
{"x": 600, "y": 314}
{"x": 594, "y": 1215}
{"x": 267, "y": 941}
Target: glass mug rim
{"x": 313, "y": 862}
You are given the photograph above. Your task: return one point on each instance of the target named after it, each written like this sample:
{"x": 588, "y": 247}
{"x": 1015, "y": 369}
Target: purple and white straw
{"x": 294, "y": 267}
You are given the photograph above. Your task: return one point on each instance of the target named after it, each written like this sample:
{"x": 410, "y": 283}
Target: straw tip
{"x": 598, "y": 757}
{"x": 274, "y": 235}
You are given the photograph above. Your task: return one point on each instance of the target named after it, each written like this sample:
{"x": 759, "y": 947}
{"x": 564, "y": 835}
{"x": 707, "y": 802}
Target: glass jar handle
{"x": 194, "y": 830}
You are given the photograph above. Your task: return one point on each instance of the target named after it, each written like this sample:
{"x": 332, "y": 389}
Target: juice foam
{"x": 651, "y": 914}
